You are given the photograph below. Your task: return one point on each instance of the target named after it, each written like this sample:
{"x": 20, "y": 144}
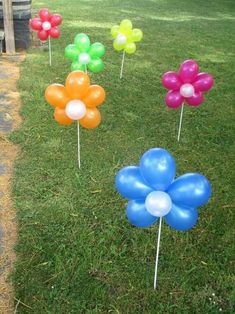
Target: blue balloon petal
{"x": 157, "y": 166}
{"x": 131, "y": 184}
{"x": 181, "y": 218}
{"x": 138, "y": 215}
{"x": 190, "y": 190}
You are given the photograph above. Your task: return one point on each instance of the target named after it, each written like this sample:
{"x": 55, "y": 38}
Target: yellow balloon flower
{"x": 125, "y": 36}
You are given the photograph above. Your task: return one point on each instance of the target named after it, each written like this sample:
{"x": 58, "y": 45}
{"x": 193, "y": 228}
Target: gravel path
{"x": 9, "y": 120}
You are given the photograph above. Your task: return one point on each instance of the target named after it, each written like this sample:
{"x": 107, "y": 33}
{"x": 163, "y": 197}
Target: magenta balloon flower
{"x": 46, "y": 24}
{"x": 187, "y": 85}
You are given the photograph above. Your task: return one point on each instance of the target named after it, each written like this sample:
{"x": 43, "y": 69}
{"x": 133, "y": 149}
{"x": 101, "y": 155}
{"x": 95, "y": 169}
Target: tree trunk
{"x": 8, "y": 26}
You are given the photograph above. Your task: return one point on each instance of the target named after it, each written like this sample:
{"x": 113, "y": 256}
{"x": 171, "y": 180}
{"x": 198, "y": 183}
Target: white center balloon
{"x": 158, "y": 203}
{"x": 121, "y": 39}
{"x": 75, "y": 109}
{"x": 46, "y": 26}
{"x": 84, "y": 58}
{"x": 187, "y": 90}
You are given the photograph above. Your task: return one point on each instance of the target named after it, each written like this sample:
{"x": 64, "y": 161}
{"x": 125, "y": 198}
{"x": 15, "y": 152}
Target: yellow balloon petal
{"x": 117, "y": 46}
{"x": 129, "y": 39}
{"x": 114, "y": 31}
{"x": 126, "y": 27}
{"x": 136, "y": 34}
{"x": 130, "y": 48}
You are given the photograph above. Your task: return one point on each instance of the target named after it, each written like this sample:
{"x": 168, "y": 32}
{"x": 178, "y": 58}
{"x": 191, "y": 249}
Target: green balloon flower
{"x": 84, "y": 55}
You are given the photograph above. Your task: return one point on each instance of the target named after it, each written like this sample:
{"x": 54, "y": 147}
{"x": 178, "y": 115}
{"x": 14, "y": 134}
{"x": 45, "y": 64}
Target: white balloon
{"x": 121, "y": 39}
{"x": 158, "y": 203}
{"x": 84, "y": 58}
{"x": 46, "y": 26}
{"x": 187, "y": 90}
{"x": 75, "y": 109}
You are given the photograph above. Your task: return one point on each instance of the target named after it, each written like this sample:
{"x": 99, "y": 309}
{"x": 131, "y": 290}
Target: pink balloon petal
{"x": 56, "y": 20}
{"x": 44, "y": 15}
{"x": 171, "y": 80}
{"x": 188, "y": 71}
{"x": 36, "y": 24}
{"x": 43, "y": 35}
{"x": 174, "y": 99}
{"x": 195, "y": 100}
{"x": 54, "y": 32}
{"x": 203, "y": 82}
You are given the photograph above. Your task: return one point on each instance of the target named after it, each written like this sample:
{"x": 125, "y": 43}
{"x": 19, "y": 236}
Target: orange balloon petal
{"x": 61, "y": 118}
{"x": 77, "y": 84}
{"x": 92, "y": 118}
{"x": 56, "y": 95}
{"x": 95, "y": 96}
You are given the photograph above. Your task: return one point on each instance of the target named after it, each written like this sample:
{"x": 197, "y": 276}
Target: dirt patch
{"x": 9, "y": 120}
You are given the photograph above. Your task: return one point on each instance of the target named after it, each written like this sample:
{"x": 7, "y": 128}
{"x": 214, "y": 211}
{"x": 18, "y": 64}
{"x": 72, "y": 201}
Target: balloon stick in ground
{"x": 46, "y": 26}
{"x": 125, "y": 38}
{"x": 49, "y": 40}
{"x": 186, "y": 86}
{"x": 76, "y": 101}
{"x": 79, "y": 157}
{"x": 122, "y": 64}
{"x": 157, "y": 254}
{"x": 153, "y": 193}
{"x": 180, "y": 124}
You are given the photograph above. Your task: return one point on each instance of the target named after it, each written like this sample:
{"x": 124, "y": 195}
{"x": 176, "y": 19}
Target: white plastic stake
{"x": 79, "y": 160}
{"x": 122, "y": 65}
{"x": 181, "y": 118}
{"x": 157, "y": 254}
{"x": 49, "y": 41}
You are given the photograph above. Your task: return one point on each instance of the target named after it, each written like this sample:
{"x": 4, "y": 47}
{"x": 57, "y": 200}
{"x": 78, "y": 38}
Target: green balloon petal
{"x": 82, "y": 42}
{"x": 71, "y": 52}
{"x": 97, "y": 50}
{"x": 75, "y": 66}
{"x": 96, "y": 65}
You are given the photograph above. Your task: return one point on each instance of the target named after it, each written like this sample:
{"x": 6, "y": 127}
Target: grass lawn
{"x": 77, "y": 253}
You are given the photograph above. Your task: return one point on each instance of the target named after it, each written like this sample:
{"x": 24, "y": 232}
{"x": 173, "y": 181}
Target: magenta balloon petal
{"x": 203, "y": 82}
{"x": 171, "y": 80}
{"x": 195, "y": 100}
{"x": 54, "y": 32}
{"x": 43, "y": 35}
{"x": 174, "y": 99}
{"x": 36, "y": 24}
{"x": 188, "y": 71}
{"x": 56, "y": 20}
{"x": 44, "y": 15}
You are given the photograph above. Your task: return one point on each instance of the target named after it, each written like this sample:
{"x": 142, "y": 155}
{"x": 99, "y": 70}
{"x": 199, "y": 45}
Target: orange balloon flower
{"x": 76, "y": 101}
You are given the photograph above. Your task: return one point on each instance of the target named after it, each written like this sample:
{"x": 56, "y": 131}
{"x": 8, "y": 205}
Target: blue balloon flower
{"x": 153, "y": 191}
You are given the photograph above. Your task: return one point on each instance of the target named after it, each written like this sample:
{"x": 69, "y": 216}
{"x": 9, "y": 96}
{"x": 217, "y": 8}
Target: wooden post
{"x": 8, "y": 26}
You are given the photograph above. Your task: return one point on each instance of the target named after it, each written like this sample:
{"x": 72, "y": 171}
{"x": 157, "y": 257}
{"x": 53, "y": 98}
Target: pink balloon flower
{"x": 187, "y": 85}
{"x": 46, "y": 24}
